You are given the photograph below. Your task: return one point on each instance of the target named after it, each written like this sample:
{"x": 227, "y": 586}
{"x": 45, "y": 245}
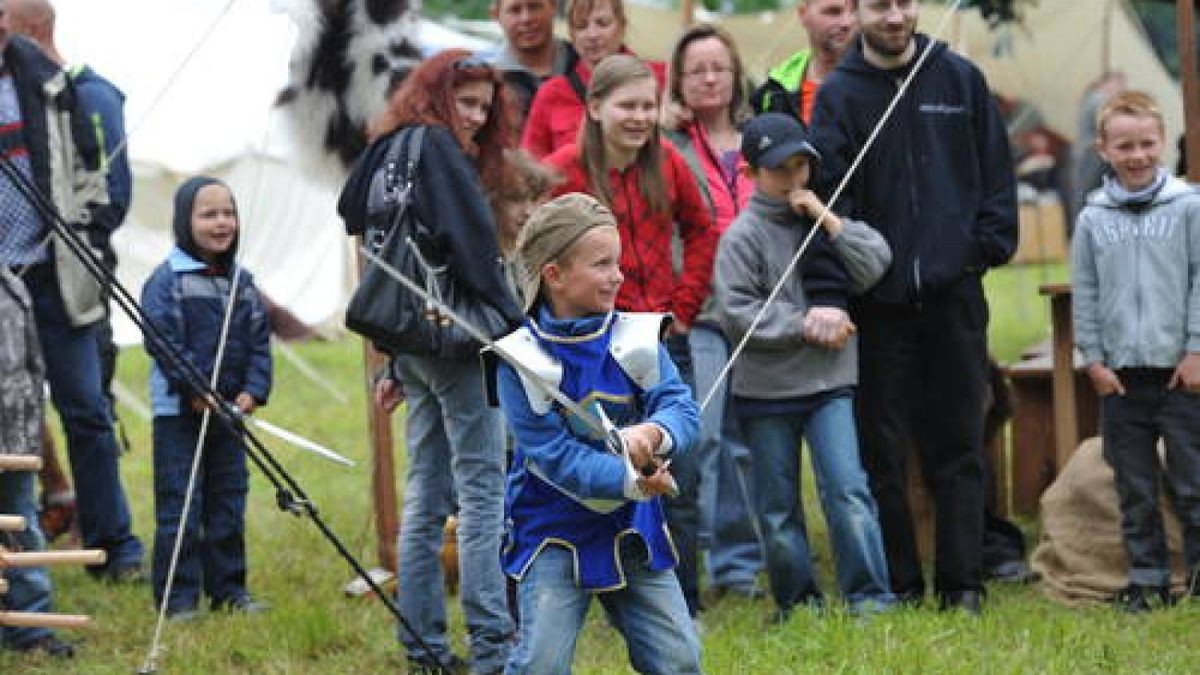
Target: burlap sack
{"x": 1080, "y": 556}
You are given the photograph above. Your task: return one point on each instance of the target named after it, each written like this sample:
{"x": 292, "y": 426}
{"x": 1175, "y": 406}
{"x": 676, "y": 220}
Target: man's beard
{"x": 881, "y": 46}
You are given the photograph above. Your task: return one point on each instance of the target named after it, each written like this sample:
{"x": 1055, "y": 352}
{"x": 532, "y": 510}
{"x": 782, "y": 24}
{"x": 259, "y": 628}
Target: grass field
{"x": 314, "y": 628}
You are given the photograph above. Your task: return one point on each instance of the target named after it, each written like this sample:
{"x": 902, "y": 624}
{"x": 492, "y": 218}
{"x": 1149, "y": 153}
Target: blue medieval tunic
{"x": 564, "y": 486}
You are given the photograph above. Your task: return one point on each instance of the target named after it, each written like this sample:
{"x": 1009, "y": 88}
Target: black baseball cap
{"x": 770, "y": 138}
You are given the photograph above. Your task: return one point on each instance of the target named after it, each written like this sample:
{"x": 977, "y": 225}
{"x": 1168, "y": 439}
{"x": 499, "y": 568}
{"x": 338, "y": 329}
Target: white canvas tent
{"x": 214, "y": 116}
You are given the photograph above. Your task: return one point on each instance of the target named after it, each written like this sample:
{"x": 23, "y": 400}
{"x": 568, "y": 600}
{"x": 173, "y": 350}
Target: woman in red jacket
{"x": 622, "y": 161}
{"x": 597, "y": 31}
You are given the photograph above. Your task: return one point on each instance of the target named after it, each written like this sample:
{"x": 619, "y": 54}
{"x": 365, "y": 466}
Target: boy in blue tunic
{"x": 583, "y": 521}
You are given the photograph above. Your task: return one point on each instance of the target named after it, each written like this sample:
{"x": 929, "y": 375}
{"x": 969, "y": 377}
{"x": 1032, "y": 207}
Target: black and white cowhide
{"x": 348, "y": 56}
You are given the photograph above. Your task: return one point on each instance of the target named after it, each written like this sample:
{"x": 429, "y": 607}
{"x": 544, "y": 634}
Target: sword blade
{"x": 571, "y": 406}
{"x": 299, "y": 441}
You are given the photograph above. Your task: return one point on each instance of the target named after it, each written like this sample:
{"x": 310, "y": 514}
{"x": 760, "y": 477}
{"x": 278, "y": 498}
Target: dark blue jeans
{"x": 683, "y": 511}
{"x": 28, "y": 587}
{"x": 1131, "y": 427}
{"x": 73, "y": 371}
{"x": 213, "y": 554}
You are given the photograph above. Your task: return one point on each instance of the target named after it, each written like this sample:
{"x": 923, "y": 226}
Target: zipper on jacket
{"x": 912, "y": 203}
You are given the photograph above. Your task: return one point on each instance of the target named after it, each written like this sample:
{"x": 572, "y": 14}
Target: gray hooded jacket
{"x": 1137, "y": 279}
{"x": 778, "y": 363}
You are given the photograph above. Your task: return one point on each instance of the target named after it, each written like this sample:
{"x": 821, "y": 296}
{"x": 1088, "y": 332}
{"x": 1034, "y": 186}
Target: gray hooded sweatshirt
{"x": 778, "y": 362}
{"x": 1136, "y": 277}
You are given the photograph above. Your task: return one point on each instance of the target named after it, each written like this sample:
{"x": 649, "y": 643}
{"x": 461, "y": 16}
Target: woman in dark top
{"x": 454, "y": 440}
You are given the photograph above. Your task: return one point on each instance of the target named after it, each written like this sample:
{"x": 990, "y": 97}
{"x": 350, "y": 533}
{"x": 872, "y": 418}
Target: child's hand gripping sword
{"x": 616, "y": 445}
{"x": 602, "y": 427}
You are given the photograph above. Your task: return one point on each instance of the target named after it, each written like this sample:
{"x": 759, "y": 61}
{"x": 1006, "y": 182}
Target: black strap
{"x": 577, "y": 85}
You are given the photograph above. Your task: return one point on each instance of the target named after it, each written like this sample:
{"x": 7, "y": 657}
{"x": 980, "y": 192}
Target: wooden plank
{"x": 20, "y": 463}
{"x": 41, "y": 558}
{"x": 12, "y": 524}
{"x": 39, "y": 620}
{"x": 1062, "y": 337}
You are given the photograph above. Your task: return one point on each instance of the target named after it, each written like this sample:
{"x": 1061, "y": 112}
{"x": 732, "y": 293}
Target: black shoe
{"x": 455, "y": 665}
{"x": 49, "y": 645}
{"x": 1193, "y": 589}
{"x": 1135, "y": 599}
{"x": 746, "y": 591}
{"x": 182, "y": 614}
{"x": 910, "y": 599}
{"x": 1011, "y": 572}
{"x": 125, "y": 573}
{"x": 242, "y": 604}
{"x": 969, "y": 601}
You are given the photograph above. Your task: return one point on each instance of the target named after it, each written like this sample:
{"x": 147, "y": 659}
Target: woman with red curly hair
{"x": 454, "y": 439}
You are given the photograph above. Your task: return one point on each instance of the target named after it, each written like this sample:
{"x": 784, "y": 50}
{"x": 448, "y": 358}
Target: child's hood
{"x": 1172, "y": 189}
{"x": 181, "y": 223}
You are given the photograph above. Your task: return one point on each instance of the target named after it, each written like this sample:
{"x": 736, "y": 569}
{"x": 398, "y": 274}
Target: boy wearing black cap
{"x": 797, "y": 375}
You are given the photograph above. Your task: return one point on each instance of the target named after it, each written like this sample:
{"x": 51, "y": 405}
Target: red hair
{"x": 427, "y": 97}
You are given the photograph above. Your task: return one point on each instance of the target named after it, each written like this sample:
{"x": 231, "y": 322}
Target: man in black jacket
{"x": 938, "y": 183}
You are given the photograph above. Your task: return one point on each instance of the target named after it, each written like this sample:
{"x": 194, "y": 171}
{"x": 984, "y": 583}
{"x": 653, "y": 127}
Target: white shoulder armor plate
{"x": 634, "y": 346}
{"x": 522, "y": 346}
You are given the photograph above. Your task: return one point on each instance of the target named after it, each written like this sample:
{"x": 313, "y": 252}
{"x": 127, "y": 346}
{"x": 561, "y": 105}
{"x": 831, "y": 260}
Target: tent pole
{"x": 383, "y": 465}
{"x": 1186, "y": 25}
{"x": 383, "y": 461}
{"x": 686, "y": 12}
{"x": 1106, "y": 65}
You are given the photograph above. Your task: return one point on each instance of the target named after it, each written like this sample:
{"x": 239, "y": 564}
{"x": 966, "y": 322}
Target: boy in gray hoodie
{"x": 797, "y": 375}
{"x": 1136, "y": 269}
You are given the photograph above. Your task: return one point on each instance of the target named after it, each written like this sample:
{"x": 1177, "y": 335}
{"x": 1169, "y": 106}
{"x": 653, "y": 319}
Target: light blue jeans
{"x": 29, "y": 587}
{"x": 735, "y": 555}
{"x": 850, "y": 510}
{"x": 650, "y": 612}
{"x": 455, "y": 448}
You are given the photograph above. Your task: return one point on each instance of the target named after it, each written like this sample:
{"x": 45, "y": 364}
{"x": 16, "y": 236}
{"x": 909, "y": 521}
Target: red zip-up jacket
{"x": 556, "y": 113}
{"x": 651, "y": 282}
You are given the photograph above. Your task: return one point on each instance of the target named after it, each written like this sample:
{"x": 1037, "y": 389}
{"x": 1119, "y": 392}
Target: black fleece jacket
{"x": 449, "y": 200}
{"x": 937, "y": 183}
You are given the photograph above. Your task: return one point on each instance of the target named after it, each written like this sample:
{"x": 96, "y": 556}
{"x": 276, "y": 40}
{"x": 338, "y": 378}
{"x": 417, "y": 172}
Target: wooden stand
{"x": 1054, "y": 407}
{"x": 20, "y": 559}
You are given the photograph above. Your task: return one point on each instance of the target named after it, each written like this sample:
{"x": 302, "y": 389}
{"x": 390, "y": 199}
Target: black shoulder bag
{"x": 382, "y": 310}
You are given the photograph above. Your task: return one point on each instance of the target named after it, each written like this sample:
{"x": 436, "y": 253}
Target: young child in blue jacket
{"x": 583, "y": 521}
{"x": 1136, "y": 275}
{"x": 185, "y": 299}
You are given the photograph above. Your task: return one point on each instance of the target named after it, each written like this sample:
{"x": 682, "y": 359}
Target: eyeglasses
{"x": 702, "y": 72}
{"x": 471, "y": 63}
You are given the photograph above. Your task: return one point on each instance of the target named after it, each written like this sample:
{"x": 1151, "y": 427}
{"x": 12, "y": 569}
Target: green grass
{"x": 314, "y": 628}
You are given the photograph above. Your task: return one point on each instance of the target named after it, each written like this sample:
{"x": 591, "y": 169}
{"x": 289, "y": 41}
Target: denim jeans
{"x": 73, "y": 370}
{"x": 649, "y": 611}
{"x": 683, "y": 510}
{"x": 1132, "y": 425}
{"x": 213, "y": 552}
{"x": 455, "y": 448}
{"x": 850, "y": 511}
{"x": 28, "y": 587}
{"x": 735, "y": 554}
